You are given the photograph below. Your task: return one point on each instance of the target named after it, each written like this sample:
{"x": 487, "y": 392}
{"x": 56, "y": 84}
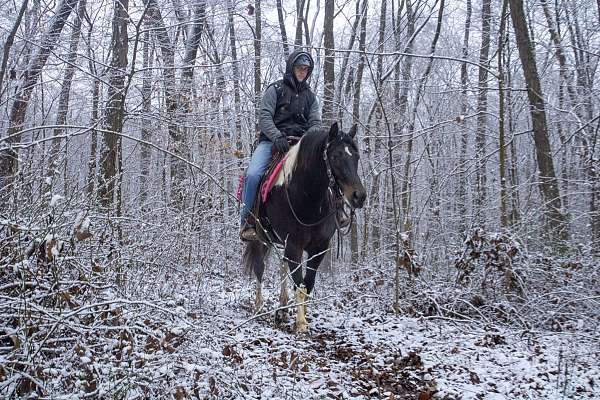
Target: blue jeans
{"x": 258, "y": 164}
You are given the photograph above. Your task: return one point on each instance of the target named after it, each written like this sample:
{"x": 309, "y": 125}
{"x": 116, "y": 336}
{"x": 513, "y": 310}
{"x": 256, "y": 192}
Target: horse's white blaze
{"x": 348, "y": 151}
{"x": 285, "y": 173}
{"x": 301, "y": 297}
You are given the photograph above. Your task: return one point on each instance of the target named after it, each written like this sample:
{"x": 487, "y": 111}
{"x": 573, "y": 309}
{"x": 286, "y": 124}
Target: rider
{"x": 289, "y": 108}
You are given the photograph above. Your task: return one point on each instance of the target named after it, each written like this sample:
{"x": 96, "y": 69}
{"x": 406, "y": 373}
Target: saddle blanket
{"x": 266, "y": 183}
{"x": 270, "y": 179}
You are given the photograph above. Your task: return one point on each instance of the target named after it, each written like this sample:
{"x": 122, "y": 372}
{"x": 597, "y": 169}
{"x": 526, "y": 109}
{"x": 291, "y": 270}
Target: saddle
{"x": 267, "y": 181}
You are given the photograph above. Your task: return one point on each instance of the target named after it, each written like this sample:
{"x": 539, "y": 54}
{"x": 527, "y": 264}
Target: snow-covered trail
{"x": 365, "y": 352}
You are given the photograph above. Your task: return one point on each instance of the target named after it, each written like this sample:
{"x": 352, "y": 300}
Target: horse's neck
{"x": 310, "y": 188}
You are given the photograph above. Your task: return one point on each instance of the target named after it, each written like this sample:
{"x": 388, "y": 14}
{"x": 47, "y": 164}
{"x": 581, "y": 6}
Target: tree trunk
{"x": 328, "y": 64}
{"x": 179, "y": 137}
{"x": 286, "y": 49}
{"x": 92, "y": 163}
{"x": 464, "y": 136}
{"x": 115, "y": 107}
{"x": 501, "y": 120}
{"x": 236, "y": 77}
{"x": 9, "y": 42}
{"x": 515, "y": 215}
{"x": 482, "y": 120}
{"x": 174, "y": 111}
{"x": 356, "y": 113}
{"x": 374, "y": 200}
{"x": 403, "y": 106}
{"x": 63, "y": 100}
{"x": 397, "y": 132}
{"x": 145, "y": 154}
{"x": 342, "y": 73}
{"x": 582, "y": 104}
{"x": 9, "y": 156}
{"x": 299, "y": 22}
{"x": 547, "y": 179}
{"x": 257, "y": 55}
{"x": 407, "y": 183}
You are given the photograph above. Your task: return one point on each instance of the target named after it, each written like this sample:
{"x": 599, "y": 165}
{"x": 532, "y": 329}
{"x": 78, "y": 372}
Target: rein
{"x": 332, "y": 186}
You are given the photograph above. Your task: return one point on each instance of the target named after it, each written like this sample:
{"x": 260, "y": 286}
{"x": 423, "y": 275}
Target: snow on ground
{"x": 194, "y": 335}
{"x": 364, "y": 352}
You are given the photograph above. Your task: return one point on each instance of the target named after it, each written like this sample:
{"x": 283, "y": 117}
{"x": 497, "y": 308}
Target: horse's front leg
{"x": 293, "y": 255}
{"x": 315, "y": 256}
{"x": 301, "y": 298}
{"x": 281, "y": 315}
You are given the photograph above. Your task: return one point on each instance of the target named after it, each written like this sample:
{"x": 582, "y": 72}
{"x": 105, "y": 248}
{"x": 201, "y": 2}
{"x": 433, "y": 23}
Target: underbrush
{"x": 102, "y": 307}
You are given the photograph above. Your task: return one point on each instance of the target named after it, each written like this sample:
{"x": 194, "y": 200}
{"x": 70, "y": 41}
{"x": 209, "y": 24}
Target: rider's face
{"x": 300, "y": 72}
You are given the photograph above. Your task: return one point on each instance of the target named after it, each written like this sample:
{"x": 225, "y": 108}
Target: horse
{"x": 299, "y": 215}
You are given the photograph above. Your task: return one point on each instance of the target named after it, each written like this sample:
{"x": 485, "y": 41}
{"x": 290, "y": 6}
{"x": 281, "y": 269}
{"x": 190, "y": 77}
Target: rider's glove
{"x": 281, "y": 144}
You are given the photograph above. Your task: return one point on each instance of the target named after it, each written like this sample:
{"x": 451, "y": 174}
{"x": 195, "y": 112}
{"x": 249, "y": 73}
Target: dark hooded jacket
{"x": 289, "y": 107}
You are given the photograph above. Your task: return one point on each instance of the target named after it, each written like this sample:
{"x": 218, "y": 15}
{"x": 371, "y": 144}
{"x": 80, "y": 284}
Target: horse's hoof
{"x": 302, "y": 328}
{"x": 257, "y": 307}
{"x": 281, "y": 316}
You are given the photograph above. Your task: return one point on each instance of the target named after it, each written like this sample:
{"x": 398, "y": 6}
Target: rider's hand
{"x": 281, "y": 144}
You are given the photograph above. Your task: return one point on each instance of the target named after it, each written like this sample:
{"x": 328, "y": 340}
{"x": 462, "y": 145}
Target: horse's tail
{"x": 254, "y": 257}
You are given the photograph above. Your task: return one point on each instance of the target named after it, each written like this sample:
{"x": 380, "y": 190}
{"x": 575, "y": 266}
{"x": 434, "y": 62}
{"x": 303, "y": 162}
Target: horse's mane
{"x": 311, "y": 149}
{"x": 303, "y": 155}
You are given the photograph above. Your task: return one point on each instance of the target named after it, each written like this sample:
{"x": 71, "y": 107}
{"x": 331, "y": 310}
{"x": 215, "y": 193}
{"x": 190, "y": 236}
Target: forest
{"x": 471, "y": 272}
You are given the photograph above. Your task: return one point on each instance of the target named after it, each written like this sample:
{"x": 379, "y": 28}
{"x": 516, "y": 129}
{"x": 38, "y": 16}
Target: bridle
{"x": 334, "y": 189}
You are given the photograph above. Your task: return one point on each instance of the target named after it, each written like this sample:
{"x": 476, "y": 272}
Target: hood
{"x": 290, "y": 62}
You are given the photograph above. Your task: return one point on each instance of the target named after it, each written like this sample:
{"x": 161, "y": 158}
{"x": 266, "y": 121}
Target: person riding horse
{"x": 289, "y": 108}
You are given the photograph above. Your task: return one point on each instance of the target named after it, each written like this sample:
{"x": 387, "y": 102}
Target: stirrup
{"x": 248, "y": 233}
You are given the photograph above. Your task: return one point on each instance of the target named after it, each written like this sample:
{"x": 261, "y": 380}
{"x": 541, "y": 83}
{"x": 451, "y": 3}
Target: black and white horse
{"x": 300, "y": 213}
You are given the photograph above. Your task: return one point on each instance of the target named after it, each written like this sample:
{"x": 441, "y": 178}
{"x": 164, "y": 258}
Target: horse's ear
{"x": 333, "y": 131}
{"x": 352, "y": 131}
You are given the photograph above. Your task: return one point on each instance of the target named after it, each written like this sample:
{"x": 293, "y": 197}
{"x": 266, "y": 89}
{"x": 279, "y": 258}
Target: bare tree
{"x": 284, "y": 39}
{"x": 407, "y": 182}
{"x": 300, "y": 22}
{"x": 236, "y": 77}
{"x": 257, "y": 55}
{"x": 581, "y": 103}
{"x": 482, "y": 121}
{"x": 356, "y": 109}
{"x": 92, "y": 161}
{"x": 346, "y": 56}
{"x": 115, "y": 106}
{"x": 63, "y": 101}
{"x": 29, "y": 78}
{"x": 501, "y": 120}
{"x": 374, "y": 210}
{"x": 464, "y": 137}
{"x": 547, "y": 179}
{"x": 178, "y": 142}
{"x": 328, "y": 64}
{"x": 9, "y": 42}
{"x": 146, "y": 132}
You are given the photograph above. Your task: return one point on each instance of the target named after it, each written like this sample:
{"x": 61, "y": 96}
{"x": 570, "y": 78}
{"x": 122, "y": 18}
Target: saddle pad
{"x": 270, "y": 179}
{"x": 240, "y": 187}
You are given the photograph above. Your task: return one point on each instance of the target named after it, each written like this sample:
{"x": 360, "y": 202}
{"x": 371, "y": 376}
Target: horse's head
{"x": 343, "y": 156}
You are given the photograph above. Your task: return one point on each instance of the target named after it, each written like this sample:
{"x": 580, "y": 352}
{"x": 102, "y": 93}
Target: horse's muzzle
{"x": 358, "y": 198}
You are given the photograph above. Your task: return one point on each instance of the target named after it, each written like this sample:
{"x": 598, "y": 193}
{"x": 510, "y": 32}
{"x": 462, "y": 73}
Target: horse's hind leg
{"x": 281, "y": 315}
{"x": 258, "y": 299}
{"x": 315, "y": 256}
{"x": 254, "y": 260}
